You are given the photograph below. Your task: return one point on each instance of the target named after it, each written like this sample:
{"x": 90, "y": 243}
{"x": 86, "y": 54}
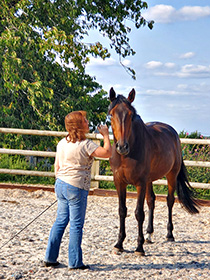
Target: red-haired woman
{"x": 74, "y": 158}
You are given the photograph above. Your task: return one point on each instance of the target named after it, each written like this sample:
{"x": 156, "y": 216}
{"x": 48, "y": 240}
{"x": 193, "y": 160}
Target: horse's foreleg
{"x": 150, "y": 197}
{"x": 139, "y": 213}
{"x": 170, "y": 203}
{"x": 122, "y": 213}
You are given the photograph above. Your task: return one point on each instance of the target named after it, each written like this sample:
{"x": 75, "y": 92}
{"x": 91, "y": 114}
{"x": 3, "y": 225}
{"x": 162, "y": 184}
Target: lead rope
{"x": 28, "y": 224}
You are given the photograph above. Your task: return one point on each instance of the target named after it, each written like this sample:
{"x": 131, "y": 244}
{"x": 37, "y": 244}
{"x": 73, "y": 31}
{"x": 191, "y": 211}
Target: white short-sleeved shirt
{"x": 75, "y": 162}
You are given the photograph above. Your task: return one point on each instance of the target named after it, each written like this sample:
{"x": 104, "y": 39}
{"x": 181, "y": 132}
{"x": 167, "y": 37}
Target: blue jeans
{"x": 72, "y": 203}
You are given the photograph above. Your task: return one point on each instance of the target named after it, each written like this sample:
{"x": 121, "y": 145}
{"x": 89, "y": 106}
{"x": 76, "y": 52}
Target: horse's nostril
{"x": 126, "y": 146}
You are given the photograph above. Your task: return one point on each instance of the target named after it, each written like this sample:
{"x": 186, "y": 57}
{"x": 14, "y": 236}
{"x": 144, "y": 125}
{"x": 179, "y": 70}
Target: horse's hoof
{"x": 140, "y": 254}
{"x": 170, "y": 239}
{"x": 117, "y": 251}
{"x": 148, "y": 238}
{"x": 149, "y": 241}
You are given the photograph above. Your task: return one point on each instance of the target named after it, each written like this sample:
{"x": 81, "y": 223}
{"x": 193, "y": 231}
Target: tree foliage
{"x": 43, "y": 57}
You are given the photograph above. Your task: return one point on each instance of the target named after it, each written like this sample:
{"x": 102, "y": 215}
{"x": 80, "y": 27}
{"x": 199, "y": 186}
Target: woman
{"x": 74, "y": 158}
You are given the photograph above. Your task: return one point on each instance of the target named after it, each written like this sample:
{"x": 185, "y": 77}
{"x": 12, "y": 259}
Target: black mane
{"x": 121, "y": 99}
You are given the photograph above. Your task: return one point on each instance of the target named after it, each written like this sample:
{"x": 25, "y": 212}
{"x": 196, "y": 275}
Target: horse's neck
{"x": 139, "y": 131}
{"x": 139, "y": 125}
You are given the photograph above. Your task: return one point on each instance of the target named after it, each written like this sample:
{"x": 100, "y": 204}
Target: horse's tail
{"x": 185, "y": 191}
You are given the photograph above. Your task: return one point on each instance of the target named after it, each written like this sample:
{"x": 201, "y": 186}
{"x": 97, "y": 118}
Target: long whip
{"x": 28, "y": 224}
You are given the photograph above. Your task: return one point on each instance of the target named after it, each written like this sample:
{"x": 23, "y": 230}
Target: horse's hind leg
{"x": 150, "y": 197}
{"x": 170, "y": 202}
{"x": 122, "y": 213}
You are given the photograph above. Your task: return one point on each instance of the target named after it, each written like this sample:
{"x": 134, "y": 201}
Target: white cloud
{"x": 200, "y": 89}
{"x": 187, "y": 55}
{"x": 160, "y": 13}
{"x": 193, "y": 13}
{"x": 190, "y": 70}
{"x": 153, "y": 64}
{"x": 100, "y": 62}
{"x": 126, "y": 62}
{"x": 182, "y": 86}
{"x": 161, "y": 92}
{"x": 170, "y": 69}
{"x": 170, "y": 65}
{"x": 167, "y": 14}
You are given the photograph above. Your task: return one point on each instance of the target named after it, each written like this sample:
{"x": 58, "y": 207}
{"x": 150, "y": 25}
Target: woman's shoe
{"x": 83, "y": 267}
{"x": 48, "y": 264}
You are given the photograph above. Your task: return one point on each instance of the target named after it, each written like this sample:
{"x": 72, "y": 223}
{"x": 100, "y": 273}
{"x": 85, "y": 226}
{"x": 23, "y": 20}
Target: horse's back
{"x": 162, "y": 130}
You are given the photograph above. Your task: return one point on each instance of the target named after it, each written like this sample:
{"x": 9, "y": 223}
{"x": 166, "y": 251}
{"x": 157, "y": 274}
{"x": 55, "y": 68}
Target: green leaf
{"x": 43, "y": 58}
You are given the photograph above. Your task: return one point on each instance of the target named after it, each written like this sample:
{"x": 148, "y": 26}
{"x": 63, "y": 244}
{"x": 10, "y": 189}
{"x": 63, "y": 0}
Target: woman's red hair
{"x": 74, "y": 123}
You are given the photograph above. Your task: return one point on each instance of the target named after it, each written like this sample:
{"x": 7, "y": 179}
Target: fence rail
{"x": 95, "y": 177}
{"x": 90, "y": 135}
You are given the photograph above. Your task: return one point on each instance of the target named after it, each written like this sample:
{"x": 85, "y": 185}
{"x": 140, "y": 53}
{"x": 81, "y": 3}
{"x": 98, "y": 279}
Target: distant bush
{"x": 21, "y": 162}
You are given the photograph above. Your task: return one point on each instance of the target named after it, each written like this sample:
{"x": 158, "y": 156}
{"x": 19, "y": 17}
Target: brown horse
{"x": 141, "y": 154}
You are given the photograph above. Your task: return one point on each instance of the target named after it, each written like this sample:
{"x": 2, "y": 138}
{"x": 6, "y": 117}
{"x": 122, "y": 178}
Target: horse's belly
{"x": 161, "y": 169}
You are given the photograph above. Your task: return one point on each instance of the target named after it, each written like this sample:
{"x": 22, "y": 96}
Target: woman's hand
{"x": 103, "y": 129}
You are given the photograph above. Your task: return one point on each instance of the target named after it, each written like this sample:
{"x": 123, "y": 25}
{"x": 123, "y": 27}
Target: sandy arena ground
{"x": 21, "y": 258}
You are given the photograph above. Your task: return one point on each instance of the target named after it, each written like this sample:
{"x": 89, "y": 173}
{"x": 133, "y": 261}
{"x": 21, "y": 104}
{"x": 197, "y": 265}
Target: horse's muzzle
{"x": 122, "y": 149}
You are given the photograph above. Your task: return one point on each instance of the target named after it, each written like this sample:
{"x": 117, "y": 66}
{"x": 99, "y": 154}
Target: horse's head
{"x": 122, "y": 113}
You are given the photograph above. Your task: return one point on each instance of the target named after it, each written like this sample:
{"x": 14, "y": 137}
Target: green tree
{"x": 37, "y": 91}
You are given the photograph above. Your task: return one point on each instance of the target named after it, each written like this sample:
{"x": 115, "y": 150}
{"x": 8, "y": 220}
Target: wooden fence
{"x": 95, "y": 177}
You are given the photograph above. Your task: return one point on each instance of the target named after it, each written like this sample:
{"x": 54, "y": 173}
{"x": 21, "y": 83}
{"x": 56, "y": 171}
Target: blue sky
{"x": 172, "y": 65}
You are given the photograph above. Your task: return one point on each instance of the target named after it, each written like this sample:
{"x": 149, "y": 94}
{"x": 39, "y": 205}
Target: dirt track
{"x": 187, "y": 258}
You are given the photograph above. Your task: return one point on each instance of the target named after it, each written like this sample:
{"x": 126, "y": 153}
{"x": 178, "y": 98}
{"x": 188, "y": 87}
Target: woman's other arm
{"x": 56, "y": 165}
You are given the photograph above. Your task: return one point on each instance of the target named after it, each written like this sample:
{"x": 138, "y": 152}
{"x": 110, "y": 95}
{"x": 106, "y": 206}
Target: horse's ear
{"x": 112, "y": 94}
{"x": 131, "y": 95}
